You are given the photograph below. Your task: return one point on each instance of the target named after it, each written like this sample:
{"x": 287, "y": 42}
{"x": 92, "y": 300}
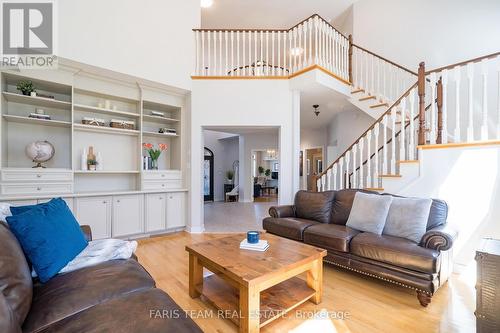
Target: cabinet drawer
{"x": 36, "y": 189}
{"x": 36, "y": 175}
{"x": 162, "y": 175}
{"x": 161, "y": 185}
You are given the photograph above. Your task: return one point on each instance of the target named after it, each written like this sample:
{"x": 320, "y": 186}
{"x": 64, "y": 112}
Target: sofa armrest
{"x": 282, "y": 211}
{"x": 439, "y": 238}
{"x": 87, "y": 232}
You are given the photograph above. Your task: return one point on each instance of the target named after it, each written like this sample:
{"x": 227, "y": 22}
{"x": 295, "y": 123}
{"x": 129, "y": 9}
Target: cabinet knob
{"x": 163, "y": 175}
{"x": 38, "y": 188}
{"x": 38, "y": 176}
{"x": 162, "y": 185}
{"x": 160, "y": 198}
{"x": 104, "y": 202}
{"x": 118, "y": 200}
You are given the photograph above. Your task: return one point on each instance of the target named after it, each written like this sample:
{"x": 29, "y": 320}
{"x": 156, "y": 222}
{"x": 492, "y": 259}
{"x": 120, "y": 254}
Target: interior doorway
{"x": 208, "y": 175}
{"x": 314, "y": 166}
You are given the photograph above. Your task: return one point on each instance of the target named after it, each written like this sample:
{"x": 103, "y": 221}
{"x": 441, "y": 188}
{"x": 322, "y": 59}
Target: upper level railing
{"x": 257, "y": 52}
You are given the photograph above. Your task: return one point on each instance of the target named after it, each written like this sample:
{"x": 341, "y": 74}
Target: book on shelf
{"x": 261, "y": 246}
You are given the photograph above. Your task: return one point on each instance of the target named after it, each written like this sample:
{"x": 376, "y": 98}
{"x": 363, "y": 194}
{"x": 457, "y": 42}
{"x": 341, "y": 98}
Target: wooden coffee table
{"x": 258, "y": 287}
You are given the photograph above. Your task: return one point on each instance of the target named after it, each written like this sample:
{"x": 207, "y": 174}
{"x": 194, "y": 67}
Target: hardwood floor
{"x": 366, "y": 305}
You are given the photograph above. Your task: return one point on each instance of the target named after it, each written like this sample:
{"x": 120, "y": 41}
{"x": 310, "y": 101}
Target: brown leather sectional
{"x": 116, "y": 296}
{"x": 319, "y": 219}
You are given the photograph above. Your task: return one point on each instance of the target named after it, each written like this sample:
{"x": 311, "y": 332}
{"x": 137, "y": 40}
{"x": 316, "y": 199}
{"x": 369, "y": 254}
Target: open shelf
{"x": 44, "y": 122}
{"x": 36, "y": 101}
{"x": 105, "y": 129}
{"x": 158, "y": 119}
{"x": 96, "y": 109}
{"x": 87, "y": 172}
{"x": 160, "y": 135}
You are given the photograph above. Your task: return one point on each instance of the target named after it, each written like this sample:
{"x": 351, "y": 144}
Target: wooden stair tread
{"x": 356, "y": 91}
{"x": 378, "y": 189}
{"x": 390, "y": 176}
{"x": 408, "y": 161}
{"x": 367, "y": 98}
{"x": 379, "y": 105}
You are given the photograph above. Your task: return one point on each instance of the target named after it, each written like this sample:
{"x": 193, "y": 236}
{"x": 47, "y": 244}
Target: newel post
{"x": 421, "y": 104}
{"x": 350, "y": 59}
{"x": 439, "y": 102}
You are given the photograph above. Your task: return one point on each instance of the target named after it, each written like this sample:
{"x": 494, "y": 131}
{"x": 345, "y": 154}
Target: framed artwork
{"x": 276, "y": 166}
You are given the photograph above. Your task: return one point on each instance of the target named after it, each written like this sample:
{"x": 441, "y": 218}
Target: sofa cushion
{"x": 289, "y": 227}
{"x": 8, "y": 320}
{"x": 49, "y": 235}
{"x": 315, "y": 206}
{"x": 67, "y": 294}
{"x": 342, "y": 204}
{"x": 396, "y": 251}
{"x": 407, "y": 218}
{"x": 151, "y": 311}
{"x": 16, "y": 285}
{"x": 330, "y": 236}
{"x": 369, "y": 212}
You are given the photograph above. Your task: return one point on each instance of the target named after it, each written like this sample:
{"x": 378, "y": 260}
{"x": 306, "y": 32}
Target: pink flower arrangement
{"x": 154, "y": 153}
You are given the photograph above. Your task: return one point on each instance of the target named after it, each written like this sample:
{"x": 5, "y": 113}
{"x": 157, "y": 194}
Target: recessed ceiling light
{"x": 206, "y": 3}
{"x": 296, "y": 51}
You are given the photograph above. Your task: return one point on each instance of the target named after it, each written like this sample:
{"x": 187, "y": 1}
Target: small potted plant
{"x": 261, "y": 170}
{"x": 92, "y": 164}
{"x": 230, "y": 176}
{"x": 268, "y": 172}
{"x": 154, "y": 153}
{"x": 27, "y": 88}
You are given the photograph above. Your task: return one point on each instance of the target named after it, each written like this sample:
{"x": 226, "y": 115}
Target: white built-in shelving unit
{"x": 80, "y": 91}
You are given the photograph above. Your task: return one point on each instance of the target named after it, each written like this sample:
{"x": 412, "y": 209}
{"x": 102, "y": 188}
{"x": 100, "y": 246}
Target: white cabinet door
{"x": 96, "y": 212}
{"x": 155, "y": 212}
{"x": 128, "y": 215}
{"x": 176, "y": 210}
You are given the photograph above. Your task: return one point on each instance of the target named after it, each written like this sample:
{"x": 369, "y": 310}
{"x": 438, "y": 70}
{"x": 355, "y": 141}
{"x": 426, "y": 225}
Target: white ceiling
{"x": 268, "y": 14}
{"x": 330, "y": 103}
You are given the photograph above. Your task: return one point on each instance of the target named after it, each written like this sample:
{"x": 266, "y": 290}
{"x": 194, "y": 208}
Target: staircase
{"x": 386, "y": 156}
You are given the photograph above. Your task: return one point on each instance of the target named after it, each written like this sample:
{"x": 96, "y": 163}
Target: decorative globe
{"x": 39, "y": 152}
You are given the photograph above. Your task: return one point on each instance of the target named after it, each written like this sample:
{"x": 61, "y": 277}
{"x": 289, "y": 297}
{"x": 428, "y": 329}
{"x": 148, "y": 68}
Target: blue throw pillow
{"x": 49, "y": 235}
{"x": 15, "y": 210}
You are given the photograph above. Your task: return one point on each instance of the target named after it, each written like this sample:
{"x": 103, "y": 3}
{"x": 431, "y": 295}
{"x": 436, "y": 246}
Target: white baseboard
{"x": 195, "y": 229}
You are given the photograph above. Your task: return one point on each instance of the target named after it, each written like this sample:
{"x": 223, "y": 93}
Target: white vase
{"x": 83, "y": 160}
{"x": 99, "y": 161}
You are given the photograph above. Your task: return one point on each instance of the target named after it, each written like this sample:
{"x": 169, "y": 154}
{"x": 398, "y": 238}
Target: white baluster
{"x": 323, "y": 182}
{"x": 354, "y": 172}
{"x": 279, "y": 53}
{"x": 329, "y": 179}
{"x": 294, "y": 33}
{"x": 267, "y": 53}
{"x": 369, "y": 159}
{"x": 402, "y": 153}
{"x": 374, "y": 92}
{"x": 470, "y": 81}
{"x": 215, "y": 69}
{"x": 316, "y": 40}
{"x": 457, "y": 133}
{"x": 341, "y": 173}
{"x": 203, "y": 52}
{"x": 233, "y": 72}
{"x": 393, "y": 141}
{"x": 334, "y": 175}
{"x": 221, "y": 73}
{"x": 284, "y": 55}
{"x": 362, "y": 84}
{"x": 498, "y": 97}
{"x": 318, "y": 184}
{"x": 484, "y": 126}
{"x": 243, "y": 54}
{"x": 432, "y": 118}
{"x": 304, "y": 48}
{"x": 347, "y": 160}
{"x": 272, "y": 54}
{"x": 361, "y": 145}
{"x": 444, "y": 80}
{"x": 261, "y": 60}
{"x": 384, "y": 151}
{"x": 310, "y": 27}
{"x": 197, "y": 49}
{"x": 298, "y": 40}
{"x": 367, "y": 74}
{"x": 411, "y": 145}
{"x": 256, "y": 58}
{"x": 384, "y": 82}
{"x": 376, "y": 172}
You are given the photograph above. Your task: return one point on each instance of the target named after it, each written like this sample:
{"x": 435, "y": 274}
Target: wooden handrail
{"x": 406, "y": 93}
{"x": 493, "y": 55}
{"x": 385, "y": 59}
{"x": 276, "y": 30}
{"x": 390, "y": 140}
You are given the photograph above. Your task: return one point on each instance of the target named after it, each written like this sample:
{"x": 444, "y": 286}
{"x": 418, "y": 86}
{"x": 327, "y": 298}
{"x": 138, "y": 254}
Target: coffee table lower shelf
{"x": 274, "y": 301}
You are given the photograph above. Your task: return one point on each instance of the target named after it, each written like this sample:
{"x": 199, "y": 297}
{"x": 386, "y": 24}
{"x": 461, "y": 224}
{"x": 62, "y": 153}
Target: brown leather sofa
{"x": 319, "y": 219}
{"x": 116, "y": 296}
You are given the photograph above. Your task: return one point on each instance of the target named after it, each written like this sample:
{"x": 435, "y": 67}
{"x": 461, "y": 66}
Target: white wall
{"x": 437, "y": 32}
{"x": 257, "y": 141}
{"x": 224, "y": 146}
{"x": 468, "y": 179}
{"x": 243, "y": 103}
{"x": 151, "y": 39}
